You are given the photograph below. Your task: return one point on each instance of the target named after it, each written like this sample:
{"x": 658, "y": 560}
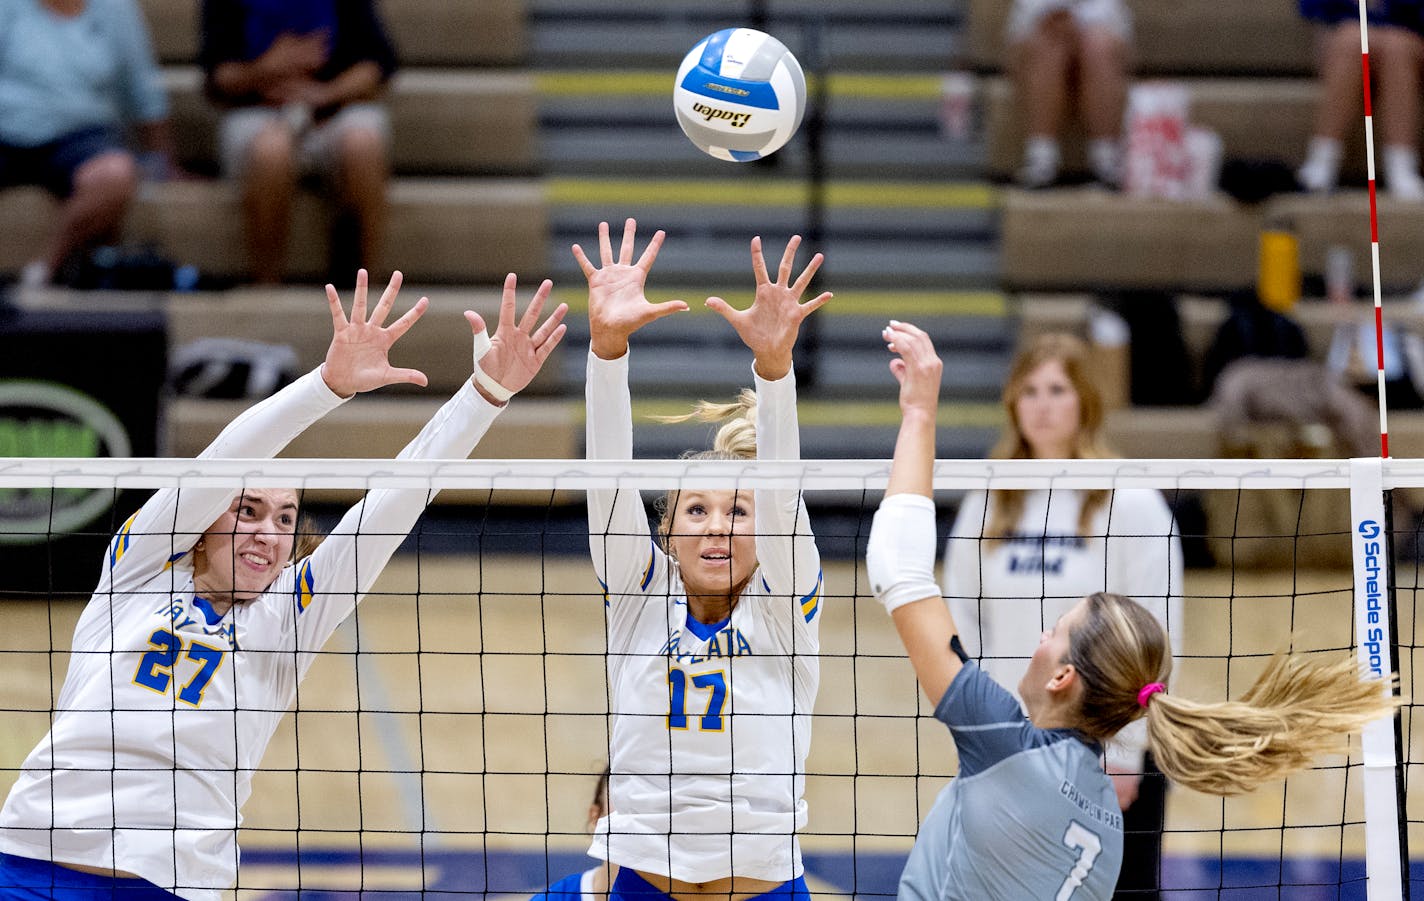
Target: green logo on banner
{"x": 44, "y": 419}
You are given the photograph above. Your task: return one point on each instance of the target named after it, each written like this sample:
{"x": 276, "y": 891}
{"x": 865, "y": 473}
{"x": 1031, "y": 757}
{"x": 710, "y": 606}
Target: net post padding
{"x": 1374, "y": 643}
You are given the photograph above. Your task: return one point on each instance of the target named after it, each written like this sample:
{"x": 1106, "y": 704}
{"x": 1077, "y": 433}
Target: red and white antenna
{"x": 1374, "y": 229}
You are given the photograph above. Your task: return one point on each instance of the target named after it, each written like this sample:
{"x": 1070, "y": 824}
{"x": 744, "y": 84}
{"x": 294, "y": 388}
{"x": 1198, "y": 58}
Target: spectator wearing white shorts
{"x": 316, "y": 145}
{"x": 1064, "y": 50}
{"x": 301, "y": 81}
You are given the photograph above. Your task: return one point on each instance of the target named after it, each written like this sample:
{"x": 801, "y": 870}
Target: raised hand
{"x": 617, "y": 304}
{"x": 518, "y": 350}
{"x": 917, "y": 368}
{"x": 770, "y": 326}
{"x": 357, "y": 359}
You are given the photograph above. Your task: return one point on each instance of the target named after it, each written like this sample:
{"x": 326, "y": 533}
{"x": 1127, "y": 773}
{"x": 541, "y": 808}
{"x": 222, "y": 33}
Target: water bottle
{"x": 1278, "y": 271}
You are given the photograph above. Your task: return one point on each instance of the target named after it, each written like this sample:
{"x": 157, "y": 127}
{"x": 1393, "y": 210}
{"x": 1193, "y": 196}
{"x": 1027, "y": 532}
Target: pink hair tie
{"x": 1148, "y": 690}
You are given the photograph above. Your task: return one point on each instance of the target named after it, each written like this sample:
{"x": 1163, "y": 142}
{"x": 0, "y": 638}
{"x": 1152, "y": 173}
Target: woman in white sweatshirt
{"x": 1018, "y": 560}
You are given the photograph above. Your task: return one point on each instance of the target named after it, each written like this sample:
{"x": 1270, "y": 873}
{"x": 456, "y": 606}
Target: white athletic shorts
{"x": 1110, "y": 15}
{"x": 317, "y": 146}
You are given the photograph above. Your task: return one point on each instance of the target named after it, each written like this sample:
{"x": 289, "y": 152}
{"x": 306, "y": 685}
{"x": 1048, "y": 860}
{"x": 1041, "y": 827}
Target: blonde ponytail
{"x": 735, "y": 440}
{"x": 1299, "y": 708}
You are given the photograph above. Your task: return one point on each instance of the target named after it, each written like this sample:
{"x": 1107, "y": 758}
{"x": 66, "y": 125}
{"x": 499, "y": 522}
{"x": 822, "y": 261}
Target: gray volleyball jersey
{"x": 1031, "y": 815}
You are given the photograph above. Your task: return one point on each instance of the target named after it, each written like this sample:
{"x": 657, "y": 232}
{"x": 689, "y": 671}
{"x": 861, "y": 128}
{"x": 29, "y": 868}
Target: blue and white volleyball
{"x": 740, "y": 95}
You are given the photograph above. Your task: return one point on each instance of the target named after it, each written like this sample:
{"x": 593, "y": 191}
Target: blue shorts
{"x": 570, "y": 888}
{"x": 27, "y": 879}
{"x": 52, "y": 166}
{"x": 629, "y": 886}
{"x": 1377, "y": 12}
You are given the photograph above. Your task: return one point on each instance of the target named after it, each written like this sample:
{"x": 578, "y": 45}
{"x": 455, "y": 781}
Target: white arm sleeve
{"x": 899, "y": 557}
{"x": 333, "y": 579}
{"x": 786, "y": 549}
{"x": 625, "y": 557}
{"x": 170, "y": 522}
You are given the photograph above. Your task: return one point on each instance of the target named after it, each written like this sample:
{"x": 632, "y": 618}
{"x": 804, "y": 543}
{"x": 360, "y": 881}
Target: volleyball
{"x": 740, "y": 95}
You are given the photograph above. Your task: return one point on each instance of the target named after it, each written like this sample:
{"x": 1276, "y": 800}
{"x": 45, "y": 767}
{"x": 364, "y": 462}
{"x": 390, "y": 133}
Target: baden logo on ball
{"x": 740, "y": 95}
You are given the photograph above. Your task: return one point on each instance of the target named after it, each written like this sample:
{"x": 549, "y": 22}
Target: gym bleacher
{"x": 519, "y": 124}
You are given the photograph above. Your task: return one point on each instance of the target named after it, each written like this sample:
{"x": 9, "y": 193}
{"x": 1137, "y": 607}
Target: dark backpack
{"x": 1251, "y": 330}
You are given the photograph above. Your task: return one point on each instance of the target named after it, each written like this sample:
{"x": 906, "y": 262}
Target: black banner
{"x": 73, "y": 384}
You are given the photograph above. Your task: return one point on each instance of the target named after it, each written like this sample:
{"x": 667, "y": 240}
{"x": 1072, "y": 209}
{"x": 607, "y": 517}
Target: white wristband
{"x": 900, "y": 554}
{"x": 482, "y": 378}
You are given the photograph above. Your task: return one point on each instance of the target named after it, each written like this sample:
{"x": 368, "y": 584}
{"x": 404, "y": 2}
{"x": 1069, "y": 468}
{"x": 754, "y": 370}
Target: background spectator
{"x": 1395, "y": 54}
{"x": 301, "y": 80}
{"x": 1062, "y": 48}
{"x": 73, "y": 75}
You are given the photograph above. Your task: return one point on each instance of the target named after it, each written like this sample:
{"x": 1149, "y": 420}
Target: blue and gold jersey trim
{"x": 811, "y": 603}
{"x": 647, "y": 578}
{"x": 648, "y": 571}
{"x": 124, "y": 537}
{"x": 120, "y": 544}
{"x": 304, "y": 585}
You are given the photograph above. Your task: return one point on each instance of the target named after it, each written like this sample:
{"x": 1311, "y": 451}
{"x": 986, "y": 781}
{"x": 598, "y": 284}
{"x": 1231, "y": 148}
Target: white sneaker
{"x": 1401, "y": 174}
{"x": 35, "y": 274}
{"x": 1105, "y": 159}
{"x": 1322, "y": 166}
{"x": 1408, "y": 187}
{"x": 1040, "y": 163}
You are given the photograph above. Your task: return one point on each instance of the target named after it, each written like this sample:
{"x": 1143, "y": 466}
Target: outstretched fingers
{"x": 788, "y": 260}
{"x": 476, "y": 321}
{"x": 630, "y": 236}
{"x": 338, "y": 313}
{"x": 900, "y": 337}
{"x": 585, "y": 264}
{"x": 548, "y": 335}
{"x": 358, "y": 302}
{"x": 536, "y": 306}
{"x": 625, "y": 252}
{"x": 408, "y": 376}
{"x": 388, "y": 298}
{"x": 409, "y": 318}
{"x": 650, "y": 253}
{"x": 605, "y": 245}
{"x": 913, "y": 344}
{"x": 807, "y": 274}
{"x": 815, "y": 303}
{"x": 507, "y": 301}
{"x": 759, "y": 262}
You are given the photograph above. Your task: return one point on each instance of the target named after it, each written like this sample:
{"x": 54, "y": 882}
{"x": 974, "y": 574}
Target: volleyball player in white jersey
{"x": 712, "y": 623}
{"x": 202, "y": 626}
{"x": 1031, "y": 813}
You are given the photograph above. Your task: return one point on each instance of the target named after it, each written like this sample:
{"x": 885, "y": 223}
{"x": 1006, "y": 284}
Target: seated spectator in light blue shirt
{"x": 75, "y": 75}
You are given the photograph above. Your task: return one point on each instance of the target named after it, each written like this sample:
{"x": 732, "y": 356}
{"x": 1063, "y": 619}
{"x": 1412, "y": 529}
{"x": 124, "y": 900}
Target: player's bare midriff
{"x": 96, "y": 871}
{"x": 732, "y": 888}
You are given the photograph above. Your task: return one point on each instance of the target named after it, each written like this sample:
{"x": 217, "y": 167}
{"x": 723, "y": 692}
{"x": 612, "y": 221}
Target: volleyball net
{"x": 447, "y": 740}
